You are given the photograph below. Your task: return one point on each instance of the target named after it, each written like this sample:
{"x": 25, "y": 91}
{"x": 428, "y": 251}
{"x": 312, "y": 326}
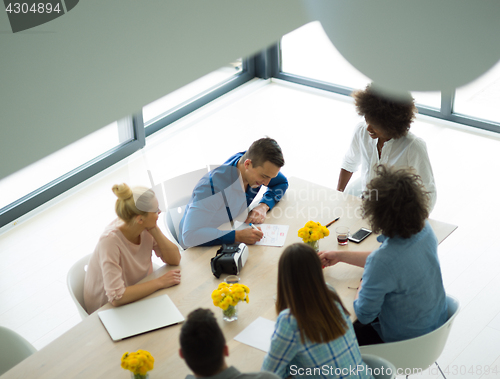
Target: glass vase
{"x": 314, "y": 245}
{"x": 231, "y": 313}
{"x": 139, "y": 376}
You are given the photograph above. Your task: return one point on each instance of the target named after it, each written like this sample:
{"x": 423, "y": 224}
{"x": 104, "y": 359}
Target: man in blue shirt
{"x": 224, "y": 194}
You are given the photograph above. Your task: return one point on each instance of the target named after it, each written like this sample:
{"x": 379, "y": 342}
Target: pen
{"x": 253, "y": 226}
{"x": 330, "y": 223}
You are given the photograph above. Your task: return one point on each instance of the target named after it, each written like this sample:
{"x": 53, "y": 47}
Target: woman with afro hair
{"x": 384, "y": 138}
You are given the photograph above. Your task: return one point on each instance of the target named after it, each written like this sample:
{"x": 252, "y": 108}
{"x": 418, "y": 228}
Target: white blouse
{"x": 407, "y": 151}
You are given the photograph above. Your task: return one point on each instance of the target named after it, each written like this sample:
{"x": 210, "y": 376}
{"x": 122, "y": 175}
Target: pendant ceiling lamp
{"x": 425, "y": 45}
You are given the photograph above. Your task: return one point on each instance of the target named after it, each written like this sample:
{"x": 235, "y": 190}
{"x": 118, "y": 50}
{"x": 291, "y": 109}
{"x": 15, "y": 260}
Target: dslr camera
{"x": 230, "y": 259}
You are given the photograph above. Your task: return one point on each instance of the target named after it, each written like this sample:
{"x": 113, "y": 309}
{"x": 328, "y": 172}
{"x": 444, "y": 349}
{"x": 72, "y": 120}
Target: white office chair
{"x": 174, "y": 214}
{"x": 418, "y": 353}
{"x": 75, "y": 279}
{"x": 380, "y": 367}
{"x": 178, "y": 192}
{"x": 13, "y": 349}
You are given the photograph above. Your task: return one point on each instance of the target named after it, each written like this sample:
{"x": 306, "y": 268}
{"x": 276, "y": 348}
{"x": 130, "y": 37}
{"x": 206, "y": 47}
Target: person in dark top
{"x": 203, "y": 347}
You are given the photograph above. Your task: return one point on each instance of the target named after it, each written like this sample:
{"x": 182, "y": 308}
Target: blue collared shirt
{"x": 403, "y": 287}
{"x": 219, "y": 198}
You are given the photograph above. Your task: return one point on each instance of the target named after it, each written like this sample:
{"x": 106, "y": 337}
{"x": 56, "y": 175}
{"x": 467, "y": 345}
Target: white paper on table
{"x": 274, "y": 235}
{"x": 258, "y": 334}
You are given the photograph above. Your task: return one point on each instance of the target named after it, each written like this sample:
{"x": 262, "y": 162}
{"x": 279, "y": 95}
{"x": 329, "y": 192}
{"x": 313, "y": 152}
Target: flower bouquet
{"x": 312, "y": 232}
{"x": 227, "y": 297}
{"x": 139, "y": 363}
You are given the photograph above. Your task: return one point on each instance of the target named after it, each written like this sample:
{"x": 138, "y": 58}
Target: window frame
{"x": 183, "y": 109}
{"x": 444, "y": 113}
{"x": 56, "y": 187}
{"x": 13, "y": 211}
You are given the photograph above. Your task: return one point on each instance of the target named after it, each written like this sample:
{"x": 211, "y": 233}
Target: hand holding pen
{"x": 249, "y": 235}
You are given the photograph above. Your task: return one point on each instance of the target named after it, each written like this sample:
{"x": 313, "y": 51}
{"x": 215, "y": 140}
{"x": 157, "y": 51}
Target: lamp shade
{"x": 424, "y": 45}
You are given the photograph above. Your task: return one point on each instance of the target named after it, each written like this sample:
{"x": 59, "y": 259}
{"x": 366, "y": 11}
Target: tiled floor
{"x": 314, "y": 129}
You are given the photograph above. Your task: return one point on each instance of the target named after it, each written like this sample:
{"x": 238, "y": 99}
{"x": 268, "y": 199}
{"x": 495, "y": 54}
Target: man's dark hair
{"x": 202, "y": 343}
{"x": 265, "y": 150}
{"x": 394, "y": 117}
{"x": 395, "y": 202}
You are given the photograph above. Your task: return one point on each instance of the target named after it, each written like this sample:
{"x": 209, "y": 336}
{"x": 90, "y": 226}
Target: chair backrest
{"x": 380, "y": 368}
{"x": 75, "y": 280}
{"x": 13, "y": 349}
{"x": 178, "y": 192}
{"x": 417, "y": 353}
{"x": 174, "y": 214}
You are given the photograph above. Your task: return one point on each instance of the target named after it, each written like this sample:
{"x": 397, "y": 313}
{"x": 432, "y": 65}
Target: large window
{"x": 55, "y": 165}
{"x": 307, "y": 52}
{"x": 194, "y": 95}
{"x": 159, "y": 108}
{"x": 481, "y": 98}
{"x": 47, "y": 178}
{"x": 306, "y": 56}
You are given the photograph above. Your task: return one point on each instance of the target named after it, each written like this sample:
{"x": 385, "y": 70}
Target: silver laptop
{"x": 140, "y": 317}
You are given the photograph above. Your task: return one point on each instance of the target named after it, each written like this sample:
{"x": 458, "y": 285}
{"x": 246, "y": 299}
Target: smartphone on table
{"x": 360, "y": 235}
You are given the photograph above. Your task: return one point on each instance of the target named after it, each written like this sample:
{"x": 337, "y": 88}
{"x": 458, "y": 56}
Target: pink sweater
{"x": 115, "y": 264}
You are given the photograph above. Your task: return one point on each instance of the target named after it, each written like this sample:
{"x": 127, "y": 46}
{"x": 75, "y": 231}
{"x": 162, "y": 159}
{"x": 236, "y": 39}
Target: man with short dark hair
{"x": 225, "y": 193}
{"x": 203, "y": 347}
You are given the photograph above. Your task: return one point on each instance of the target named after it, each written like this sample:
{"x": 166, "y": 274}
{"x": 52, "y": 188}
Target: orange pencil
{"x": 330, "y": 223}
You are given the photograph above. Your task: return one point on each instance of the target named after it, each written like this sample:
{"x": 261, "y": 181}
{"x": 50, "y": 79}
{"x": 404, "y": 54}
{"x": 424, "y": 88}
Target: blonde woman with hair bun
{"x": 122, "y": 256}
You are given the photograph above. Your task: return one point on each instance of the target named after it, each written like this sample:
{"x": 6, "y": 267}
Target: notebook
{"x": 140, "y": 317}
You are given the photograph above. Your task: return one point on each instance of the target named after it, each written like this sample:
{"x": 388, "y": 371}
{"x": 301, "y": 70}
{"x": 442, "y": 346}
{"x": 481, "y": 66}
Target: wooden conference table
{"x": 87, "y": 351}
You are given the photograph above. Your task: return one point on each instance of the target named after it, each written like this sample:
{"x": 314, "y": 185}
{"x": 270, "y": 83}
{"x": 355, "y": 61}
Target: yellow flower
{"x": 217, "y": 298}
{"x": 315, "y": 236}
{"x": 303, "y": 232}
{"x": 240, "y": 295}
{"x": 229, "y": 295}
{"x": 139, "y": 362}
{"x": 312, "y": 231}
{"x": 224, "y": 304}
